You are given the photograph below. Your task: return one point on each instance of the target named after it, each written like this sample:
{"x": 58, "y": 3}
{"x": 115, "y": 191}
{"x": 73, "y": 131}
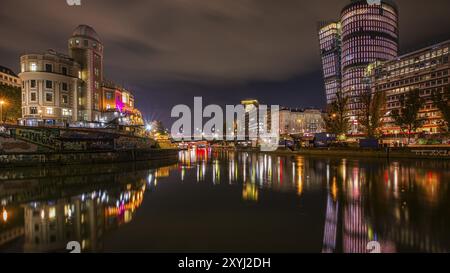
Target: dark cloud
{"x": 170, "y": 50}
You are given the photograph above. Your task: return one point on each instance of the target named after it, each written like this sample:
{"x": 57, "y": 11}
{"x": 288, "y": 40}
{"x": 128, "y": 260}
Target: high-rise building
{"x": 369, "y": 34}
{"x": 330, "y": 50}
{"x": 365, "y": 33}
{"x": 86, "y": 49}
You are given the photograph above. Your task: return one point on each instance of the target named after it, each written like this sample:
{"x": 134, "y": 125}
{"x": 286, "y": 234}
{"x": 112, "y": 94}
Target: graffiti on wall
{"x": 130, "y": 143}
{"x": 45, "y": 137}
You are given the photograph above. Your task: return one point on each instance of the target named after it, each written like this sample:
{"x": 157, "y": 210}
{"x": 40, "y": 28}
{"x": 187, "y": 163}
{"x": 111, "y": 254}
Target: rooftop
{"x": 86, "y": 31}
{"x": 7, "y": 71}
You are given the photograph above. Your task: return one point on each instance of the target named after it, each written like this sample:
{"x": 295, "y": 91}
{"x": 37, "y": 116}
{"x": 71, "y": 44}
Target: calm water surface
{"x": 229, "y": 202}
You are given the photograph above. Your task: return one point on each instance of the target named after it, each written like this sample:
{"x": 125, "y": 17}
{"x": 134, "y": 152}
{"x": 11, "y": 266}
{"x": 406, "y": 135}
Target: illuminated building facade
{"x": 49, "y": 84}
{"x": 427, "y": 70}
{"x": 9, "y": 78}
{"x": 61, "y": 89}
{"x": 86, "y": 49}
{"x": 369, "y": 34}
{"x": 301, "y": 121}
{"x": 330, "y": 50}
{"x": 118, "y": 104}
{"x": 251, "y": 119}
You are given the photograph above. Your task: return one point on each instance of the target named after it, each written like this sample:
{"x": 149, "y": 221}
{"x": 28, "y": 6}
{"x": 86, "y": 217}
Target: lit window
{"x": 65, "y": 99}
{"x": 33, "y": 67}
{"x": 49, "y": 111}
{"x": 66, "y": 112}
{"x": 52, "y": 213}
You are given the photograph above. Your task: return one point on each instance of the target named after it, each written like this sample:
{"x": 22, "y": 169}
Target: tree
{"x": 12, "y": 107}
{"x": 407, "y": 116}
{"x": 370, "y": 113}
{"x": 442, "y": 102}
{"x": 337, "y": 121}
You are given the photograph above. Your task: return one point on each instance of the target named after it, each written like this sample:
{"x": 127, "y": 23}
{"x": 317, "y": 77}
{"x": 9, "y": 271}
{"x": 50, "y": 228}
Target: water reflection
{"x": 267, "y": 203}
{"x": 401, "y": 204}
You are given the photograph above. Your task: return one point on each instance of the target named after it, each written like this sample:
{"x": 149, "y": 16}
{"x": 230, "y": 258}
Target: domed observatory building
{"x": 369, "y": 34}
{"x": 86, "y": 48}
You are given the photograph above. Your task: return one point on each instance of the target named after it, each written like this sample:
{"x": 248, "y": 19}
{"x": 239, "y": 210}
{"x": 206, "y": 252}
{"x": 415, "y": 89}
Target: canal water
{"x": 223, "y": 201}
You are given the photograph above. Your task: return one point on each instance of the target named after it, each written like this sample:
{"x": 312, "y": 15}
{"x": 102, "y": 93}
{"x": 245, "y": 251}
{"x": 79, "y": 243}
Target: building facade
{"x": 427, "y": 70}
{"x": 301, "y": 121}
{"x": 330, "y": 51}
{"x": 59, "y": 89}
{"x": 9, "y": 78}
{"x": 369, "y": 34}
{"x": 118, "y": 105}
{"x": 366, "y": 33}
{"x": 49, "y": 84}
{"x": 86, "y": 49}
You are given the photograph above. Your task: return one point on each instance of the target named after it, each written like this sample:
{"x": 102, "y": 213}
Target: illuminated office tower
{"x": 369, "y": 34}
{"x": 330, "y": 50}
{"x": 86, "y": 49}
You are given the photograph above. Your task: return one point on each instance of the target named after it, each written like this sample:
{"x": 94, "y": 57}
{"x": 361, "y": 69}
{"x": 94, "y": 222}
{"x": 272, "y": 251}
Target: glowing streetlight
{"x": 1, "y": 110}
{"x": 5, "y": 215}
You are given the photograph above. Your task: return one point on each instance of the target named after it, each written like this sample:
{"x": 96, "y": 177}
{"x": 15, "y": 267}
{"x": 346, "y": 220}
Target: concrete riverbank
{"x": 85, "y": 157}
{"x": 34, "y": 146}
{"x": 430, "y": 152}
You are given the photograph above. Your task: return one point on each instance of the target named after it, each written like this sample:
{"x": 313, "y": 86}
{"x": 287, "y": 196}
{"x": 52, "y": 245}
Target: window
{"x": 48, "y": 84}
{"x": 49, "y": 111}
{"x": 64, "y": 86}
{"x": 48, "y": 97}
{"x": 86, "y": 43}
{"x": 109, "y": 95}
{"x": 66, "y": 112}
{"x": 97, "y": 85}
{"x": 33, "y": 111}
{"x": 48, "y": 68}
{"x": 65, "y": 99}
{"x": 33, "y": 96}
{"x": 64, "y": 70}
{"x": 33, "y": 83}
{"x": 33, "y": 67}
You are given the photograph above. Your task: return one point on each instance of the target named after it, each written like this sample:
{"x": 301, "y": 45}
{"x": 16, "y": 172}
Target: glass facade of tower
{"x": 369, "y": 34}
{"x": 330, "y": 48}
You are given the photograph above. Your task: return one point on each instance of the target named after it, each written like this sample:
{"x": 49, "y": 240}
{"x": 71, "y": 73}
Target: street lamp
{"x": 1, "y": 110}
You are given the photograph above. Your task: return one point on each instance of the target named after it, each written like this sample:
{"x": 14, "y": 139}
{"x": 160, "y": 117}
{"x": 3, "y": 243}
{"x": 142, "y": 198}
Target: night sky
{"x": 169, "y": 51}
